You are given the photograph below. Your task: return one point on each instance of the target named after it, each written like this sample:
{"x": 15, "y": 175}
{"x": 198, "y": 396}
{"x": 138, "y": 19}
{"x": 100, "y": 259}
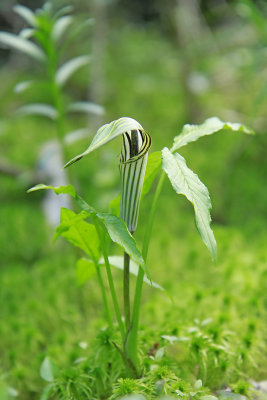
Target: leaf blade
{"x": 67, "y": 189}
{"x": 191, "y": 133}
{"x": 23, "y": 45}
{"x": 107, "y": 133}
{"x": 187, "y": 183}
{"x": 69, "y": 68}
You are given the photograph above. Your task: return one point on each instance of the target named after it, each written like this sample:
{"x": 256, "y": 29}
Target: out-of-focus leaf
{"x": 68, "y": 189}
{"x": 27, "y": 33}
{"x": 21, "y": 86}
{"x": 191, "y": 133}
{"x": 74, "y": 136}
{"x": 186, "y": 182}
{"x": 86, "y": 107}
{"x": 69, "y": 68}
{"x": 23, "y": 45}
{"x": 26, "y": 14}
{"x": 48, "y": 370}
{"x": 60, "y": 27}
{"x": 78, "y": 232}
{"x": 152, "y": 168}
{"x": 44, "y": 110}
{"x": 63, "y": 11}
{"x": 85, "y": 270}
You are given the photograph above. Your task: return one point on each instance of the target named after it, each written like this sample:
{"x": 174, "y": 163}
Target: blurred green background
{"x": 164, "y": 63}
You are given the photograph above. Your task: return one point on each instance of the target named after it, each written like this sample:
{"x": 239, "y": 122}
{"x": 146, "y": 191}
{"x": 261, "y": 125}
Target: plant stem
{"x": 126, "y": 291}
{"x": 131, "y": 345}
{"x": 104, "y": 294}
{"x": 110, "y": 279}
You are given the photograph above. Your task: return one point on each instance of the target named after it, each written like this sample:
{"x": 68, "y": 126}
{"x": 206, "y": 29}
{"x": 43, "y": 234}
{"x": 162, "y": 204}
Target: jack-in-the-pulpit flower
{"x": 133, "y": 160}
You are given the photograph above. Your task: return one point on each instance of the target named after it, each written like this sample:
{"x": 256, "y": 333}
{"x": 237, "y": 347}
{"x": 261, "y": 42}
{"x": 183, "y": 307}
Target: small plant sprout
{"x": 138, "y": 172}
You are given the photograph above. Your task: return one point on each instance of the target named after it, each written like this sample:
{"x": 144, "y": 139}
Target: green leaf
{"x": 118, "y": 262}
{"x": 78, "y": 232}
{"x": 191, "y": 133}
{"x": 63, "y": 11}
{"x": 85, "y": 270}
{"x": 152, "y": 168}
{"x": 27, "y": 33}
{"x": 48, "y": 370}
{"x": 86, "y": 107}
{"x": 26, "y": 14}
{"x": 186, "y": 182}
{"x": 44, "y": 110}
{"x": 114, "y": 205}
{"x": 68, "y": 189}
{"x": 119, "y": 234}
{"x": 60, "y": 27}
{"x": 22, "y": 86}
{"x": 23, "y": 45}
{"x": 109, "y": 132}
{"x": 69, "y": 68}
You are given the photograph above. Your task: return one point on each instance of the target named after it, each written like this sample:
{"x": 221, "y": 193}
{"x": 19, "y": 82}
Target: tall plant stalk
{"x": 132, "y": 338}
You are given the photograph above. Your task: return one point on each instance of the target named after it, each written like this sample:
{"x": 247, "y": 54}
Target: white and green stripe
{"x": 132, "y": 168}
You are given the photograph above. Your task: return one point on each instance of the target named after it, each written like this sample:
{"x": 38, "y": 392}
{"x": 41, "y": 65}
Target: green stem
{"x": 110, "y": 279}
{"x": 104, "y": 294}
{"x": 126, "y": 291}
{"x": 131, "y": 345}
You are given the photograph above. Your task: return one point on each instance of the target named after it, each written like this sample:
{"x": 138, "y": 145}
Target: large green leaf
{"x": 23, "y": 45}
{"x": 69, "y": 68}
{"x": 186, "y": 182}
{"x": 115, "y": 227}
{"x": 120, "y": 234}
{"x": 109, "y": 132}
{"x": 191, "y": 133}
{"x": 78, "y": 232}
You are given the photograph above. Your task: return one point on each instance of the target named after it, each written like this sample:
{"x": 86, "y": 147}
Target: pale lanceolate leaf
{"x": 186, "y": 182}
{"x": 119, "y": 234}
{"x": 69, "y": 68}
{"x": 63, "y": 11}
{"x": 21, "y": 86}
{"x": 41, "y": 109}
{"x": 68, "y": 189}
{"x": 109, "y": 132}
{"x": 74, "y": 136}
{"x": 86, "y": 107}
{"x": 60, "y": 27}
{"x": 48, "y": 370}
{"x": 78, "y": 232}
{"x": 23, "y": 45}
{"x": 191, "y": 133}
{"x": 26, "y": 14}
{"x": 27, "y": 33}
